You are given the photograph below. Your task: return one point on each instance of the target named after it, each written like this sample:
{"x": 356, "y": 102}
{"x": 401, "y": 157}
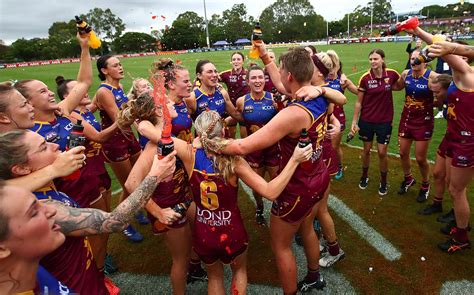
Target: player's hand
{"x": 83, "y": 40}
{"x": 308, "y": 92}
{"x": 163, "y": 168}
{"x": 302, "y": 154}
{"x": 354, "y": 128}
{"x": 441, "y": 48}
{"x": 333, "y": 131}
{"x": 260, "y": 45}
{"x": 167, "y": 216}
{"x": 68, "y": 162}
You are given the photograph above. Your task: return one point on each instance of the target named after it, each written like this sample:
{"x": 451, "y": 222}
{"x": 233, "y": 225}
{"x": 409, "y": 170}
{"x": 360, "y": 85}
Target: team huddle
{"x": 55, "y": 196}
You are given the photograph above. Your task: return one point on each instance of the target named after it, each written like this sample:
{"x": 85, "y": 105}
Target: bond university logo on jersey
{"x": 214, "y": 218}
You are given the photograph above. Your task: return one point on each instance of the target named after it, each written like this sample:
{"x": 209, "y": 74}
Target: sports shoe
{"x": 109, "y": 267}
{"x": 141, "y": 218}
{"x": 439, "y": 115}
{"x": 328, "y": 260}
{"x": 447, "y": 218}
{"x": 451, "y": 246}
{"x": 383, "y": 189}
{"x": 449, "y": 228}
{"x": 200, "y": 275}
{"x": 405, "y": 186}
{"x": 339, "y": 174}
{"x": 423, "y": 195}
{"x": 363, "y": 182}
{"x": 306, "y": 285}
{"x": 132, "y": 234}
{"x": 259, "y": 218}
{"x": 430, "y": 209}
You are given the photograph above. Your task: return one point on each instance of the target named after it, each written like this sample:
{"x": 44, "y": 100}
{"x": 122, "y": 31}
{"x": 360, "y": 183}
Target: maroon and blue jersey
{"x": 311, "y": 179}
{"x": 46, "y": 283}
{"x": 56, "y": 131}
{"x": 460, "y": 117}
{"x": 120, "y": 98}
{"x": 377, "y": 104}
{"x": 218, "y": 227}
{"x": 335, "y": 84}
{"x": 95, "y": 159}
{"x": 183, "y": 123}
{"x": 236, "y": 83}
{"x": 269, "y": 86}
{"x": 258, "y": 112}
{"x": 418, "y": 107}
{"x": 206, "y": 101}
{"x": 73, "y": 262}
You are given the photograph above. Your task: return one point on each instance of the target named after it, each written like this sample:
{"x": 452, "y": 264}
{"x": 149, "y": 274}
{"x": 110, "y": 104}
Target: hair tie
{"x": 321, "y": 67}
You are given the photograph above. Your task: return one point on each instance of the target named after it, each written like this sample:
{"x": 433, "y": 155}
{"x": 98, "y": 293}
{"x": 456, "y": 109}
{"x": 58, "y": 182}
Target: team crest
{"x": 387, "y": 80}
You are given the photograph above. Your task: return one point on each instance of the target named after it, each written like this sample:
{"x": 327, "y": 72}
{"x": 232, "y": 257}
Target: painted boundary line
{"x": 337, "y": 283}
{"x": 365, "y": 231}
{"x": 353, "y": 74}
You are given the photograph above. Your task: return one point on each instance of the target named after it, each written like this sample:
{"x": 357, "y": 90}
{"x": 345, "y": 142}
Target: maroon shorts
{"x": 443, "y": 147}
{"x": 340, "y": 115}
{"x": 292, "y": 206}
{"x": 225, "y": 254}
{"x": 420, "y": 132}
{"x": 120, "y": 147}
{"x": 86, "y": 190}
{"x": 269, "y": 157}
{"x": 330, "y": 157}
{"x": 462, "y": 154}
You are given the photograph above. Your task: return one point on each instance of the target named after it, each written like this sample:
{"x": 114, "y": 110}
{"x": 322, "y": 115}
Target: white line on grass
{"x": 376, "y": 240}
{"x": 336, "y": 281}
{"x": 373, "y": 150}
{"x": 365, "y": 70}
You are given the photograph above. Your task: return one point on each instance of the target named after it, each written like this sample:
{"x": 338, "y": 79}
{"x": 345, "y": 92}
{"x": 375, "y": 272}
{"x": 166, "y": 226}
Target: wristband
{"x": 455, "y": 47}
{"x": 266, "y": 59}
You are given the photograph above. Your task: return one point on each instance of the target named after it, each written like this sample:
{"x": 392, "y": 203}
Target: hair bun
{"x": 59, "y": 80}
{"x": 164, "y": 64}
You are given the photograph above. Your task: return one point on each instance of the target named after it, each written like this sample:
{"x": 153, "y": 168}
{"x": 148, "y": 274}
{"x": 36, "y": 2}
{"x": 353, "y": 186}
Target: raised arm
{"x": 439, "y": 49}
{"x": 348, "y": 84}
{"x": 271, "y": 190}
{"x": 65, "y": 164}
{"x": 91, "y": 133}
{"x": 84, "y": 79}
{"x": 89, "y": 221}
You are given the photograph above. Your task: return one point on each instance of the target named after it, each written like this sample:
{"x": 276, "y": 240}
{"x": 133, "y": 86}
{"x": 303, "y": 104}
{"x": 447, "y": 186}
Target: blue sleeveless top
{"x": 205, "y": 101}
{"x": 258, "y": 112}
{"x": 56, "y": 131}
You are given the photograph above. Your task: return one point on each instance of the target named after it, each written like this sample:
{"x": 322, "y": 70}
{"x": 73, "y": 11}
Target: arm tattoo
{"x": 89, "y": 221}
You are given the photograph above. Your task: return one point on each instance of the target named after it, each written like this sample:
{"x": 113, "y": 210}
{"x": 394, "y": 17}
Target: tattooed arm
{"x": 89, "y": 221}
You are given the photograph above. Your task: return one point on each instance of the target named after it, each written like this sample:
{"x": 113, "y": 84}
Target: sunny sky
{"x": 32, "y": 18}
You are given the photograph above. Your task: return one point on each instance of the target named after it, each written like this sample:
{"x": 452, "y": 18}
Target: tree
{"x": 28, "y": 50}
{"x": 106, "y": 25}
{"x": 186, "y": 32}
{"x": 62, "y": 39}
{"x": 135, "y": 42}
{"x": 216, "y": 28}
{"x": 236, "y": 23}
{"x": 450, "y": 10}
{"x": 291, "y": 20}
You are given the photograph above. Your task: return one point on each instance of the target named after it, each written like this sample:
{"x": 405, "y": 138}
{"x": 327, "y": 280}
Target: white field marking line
{"x": 376, "y": 240}
{"x": 373, "y": 150}
{"x": 457, "y": 287}
{"x": 352, "y": 74}
{"x": 117, "y": 191}
{"x": 337, "y": 283}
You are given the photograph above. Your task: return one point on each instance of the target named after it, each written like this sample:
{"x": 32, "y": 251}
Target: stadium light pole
{"x": 207, "y": 29}
{"x": 348, "y": 17}
{"x": 371, "y": 17}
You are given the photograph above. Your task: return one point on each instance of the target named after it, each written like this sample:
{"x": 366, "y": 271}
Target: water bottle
{"x": 165, "y": 147}
{"x": 256, "y": 38}
{"x": 84, "y": 28}
{"x": 303, "y": 142}
{"x": 410, "y": 23}
{"x": 75, "y": 138}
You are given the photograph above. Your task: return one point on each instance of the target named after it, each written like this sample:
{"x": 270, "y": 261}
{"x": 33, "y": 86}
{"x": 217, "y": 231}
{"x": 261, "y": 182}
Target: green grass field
{"x": 393, "y": 216}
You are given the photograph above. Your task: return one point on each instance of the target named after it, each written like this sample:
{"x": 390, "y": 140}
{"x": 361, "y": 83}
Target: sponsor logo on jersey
{"x": 211, "y": 218}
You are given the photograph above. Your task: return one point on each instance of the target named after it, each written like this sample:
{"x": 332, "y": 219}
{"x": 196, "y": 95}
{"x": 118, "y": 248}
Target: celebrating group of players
{"x": 290, "y": 120}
